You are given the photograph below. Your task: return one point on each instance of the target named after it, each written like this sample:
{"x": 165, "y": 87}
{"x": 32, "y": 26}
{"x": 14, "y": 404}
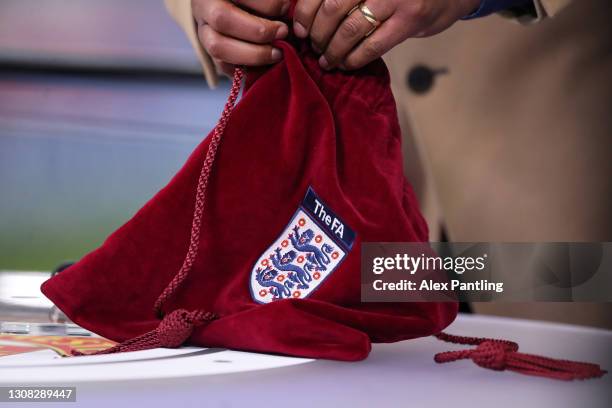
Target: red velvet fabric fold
{"x": 297, "y": 129}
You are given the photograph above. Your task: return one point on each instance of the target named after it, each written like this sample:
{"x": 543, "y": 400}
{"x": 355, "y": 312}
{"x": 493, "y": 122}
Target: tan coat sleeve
{"x": 550, "y": 8}
{"x": 544, "y": 9}
{"x": 181, "y": 12}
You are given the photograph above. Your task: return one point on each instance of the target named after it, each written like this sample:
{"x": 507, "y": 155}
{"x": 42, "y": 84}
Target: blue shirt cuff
{"x": 493, "y": 6}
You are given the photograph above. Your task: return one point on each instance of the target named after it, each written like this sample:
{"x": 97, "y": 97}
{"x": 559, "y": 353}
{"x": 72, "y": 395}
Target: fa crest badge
{"x": 308, "y": 250}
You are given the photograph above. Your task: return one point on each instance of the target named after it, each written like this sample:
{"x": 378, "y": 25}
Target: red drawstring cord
{"x": 504, "y": 355}
{"x": 194, "y": 242}
{"x": 176, "y": 327}
{"x": 172, "y": 332}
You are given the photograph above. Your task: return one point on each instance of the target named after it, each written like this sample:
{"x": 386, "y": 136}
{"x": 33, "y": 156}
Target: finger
{"x": 237, "y": 52}
{"x": 327, "y": 19}
{"x": 440, "y": 20}
{"x": 419, "y": 15}
{"x": 224, "y": 67}
{"x": 303, "y": 16}
{"x": 232, "y": 21}
{"x": 268, "y": 8}
{"x": 352, "y": 31}
{"x": 388, "y": 35}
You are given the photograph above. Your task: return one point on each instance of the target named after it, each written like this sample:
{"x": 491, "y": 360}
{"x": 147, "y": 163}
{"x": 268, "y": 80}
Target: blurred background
{"x": 99, "y": 106}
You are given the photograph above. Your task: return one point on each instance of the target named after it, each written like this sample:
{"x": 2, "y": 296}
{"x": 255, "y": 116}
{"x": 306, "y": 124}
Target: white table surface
{"x": 395, "y": 375}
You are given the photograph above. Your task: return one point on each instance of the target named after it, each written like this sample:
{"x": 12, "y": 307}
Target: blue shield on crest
{"x": 306, "y": 252}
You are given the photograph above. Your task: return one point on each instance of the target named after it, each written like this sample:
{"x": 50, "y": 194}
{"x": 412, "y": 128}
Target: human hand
{"x": 239, "y": 32}
{"x": 343, "y": 40}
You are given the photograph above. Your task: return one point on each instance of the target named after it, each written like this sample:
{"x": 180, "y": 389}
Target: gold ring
{"x": 353, "y": 9}
{"x": 368, "y": 15}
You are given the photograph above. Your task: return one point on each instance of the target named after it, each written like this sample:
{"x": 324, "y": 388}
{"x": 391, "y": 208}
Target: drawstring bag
{"x": 255, "y": 243}
{"x": 264, "y": 225}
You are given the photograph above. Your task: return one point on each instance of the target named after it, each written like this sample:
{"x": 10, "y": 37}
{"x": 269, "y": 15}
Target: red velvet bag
{"x": 264, "y": 224}
{"x": 308, "y": 167}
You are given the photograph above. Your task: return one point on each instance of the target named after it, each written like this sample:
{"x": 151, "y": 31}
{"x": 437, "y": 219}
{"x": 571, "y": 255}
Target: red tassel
{"x": 503, "y": 355}
{"x": 172, "y": 332}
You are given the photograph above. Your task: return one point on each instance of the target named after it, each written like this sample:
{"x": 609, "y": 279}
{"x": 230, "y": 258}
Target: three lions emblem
{"x": 307, "y": 251}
